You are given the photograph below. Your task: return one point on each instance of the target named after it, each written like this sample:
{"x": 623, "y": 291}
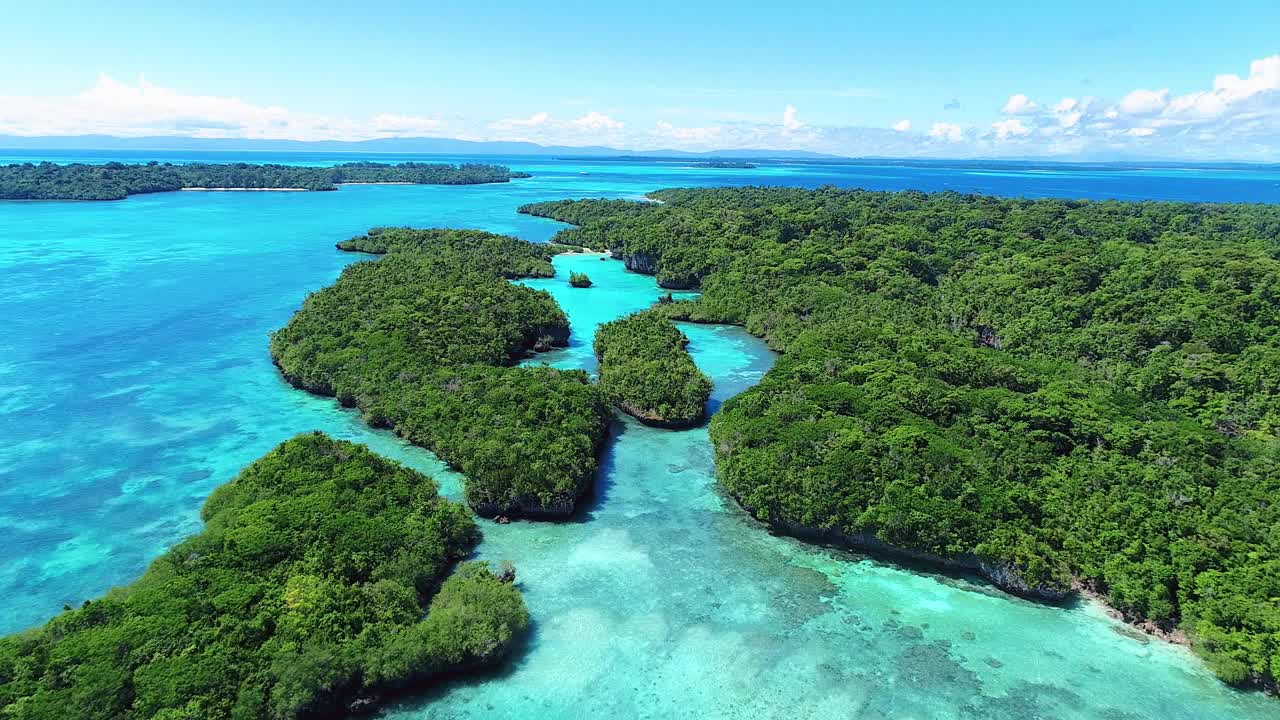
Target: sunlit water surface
{"x": 135, "y": 378}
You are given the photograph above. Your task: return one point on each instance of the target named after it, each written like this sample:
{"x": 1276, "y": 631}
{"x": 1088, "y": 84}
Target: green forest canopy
{"x": 423, "y": 341}
{"x": 1076, "y": 390}
{"x": 116, "y": 181}
{"x": 314, "y": 588}
{"x": 646, "y": 371}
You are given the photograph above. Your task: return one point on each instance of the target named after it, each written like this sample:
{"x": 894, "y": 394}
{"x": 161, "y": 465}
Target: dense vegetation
{"x": 116, "y": 181}
{"x": 646, "y": 371}
{"x": 314, "y": 589}
{"x": 1055, "y": 391}
{"x": 579, "y": 280}
{"x": 422, "y": 341}
{"x": 477, "y": 250}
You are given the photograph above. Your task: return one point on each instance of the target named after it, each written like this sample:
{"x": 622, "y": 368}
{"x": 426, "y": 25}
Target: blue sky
{"x": 1115, "y": 79}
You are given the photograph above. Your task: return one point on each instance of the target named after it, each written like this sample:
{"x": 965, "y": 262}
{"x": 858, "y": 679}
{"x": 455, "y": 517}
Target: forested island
{"x": 323, "y": 581}
{"x": 1062, "y": 395}
{"x": 647, "y": 373}
{"x": 116, "y": 181}
{"x": 424, "y": 341}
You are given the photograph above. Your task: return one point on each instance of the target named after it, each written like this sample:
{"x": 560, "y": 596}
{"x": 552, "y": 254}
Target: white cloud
{"x": 1231, "y": 117}
{"x": 1144, "y": 102}
{"x": 946, "y": 131}
{"x": 393, "y": 124}
{"x": 534, "y": 120}
{"x": 789, "y": 121}
{"x": 1019, "y": 105}
{"x": 1006, "y": 129}
{"x": 597, "y": 121}
{"x": 116, "y": 108}
{"x": 699, "y": 136}
{"x": 1229, "y": 90}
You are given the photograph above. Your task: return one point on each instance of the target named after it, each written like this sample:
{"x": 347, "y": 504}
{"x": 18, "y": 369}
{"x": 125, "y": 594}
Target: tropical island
{"x": 116, "y": 181}
{"x": 325, "y": 579}
{"x": 1065, "y": 396}
{"x": 425, "y": 342}
{"x": 579, "y": 280}
{"x": 646, "y": 371}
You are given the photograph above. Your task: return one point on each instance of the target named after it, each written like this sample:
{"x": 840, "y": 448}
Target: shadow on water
{"x": 713, "y": 406}
{"x": 602, "y": 483}
{"x": 606, "y": 474}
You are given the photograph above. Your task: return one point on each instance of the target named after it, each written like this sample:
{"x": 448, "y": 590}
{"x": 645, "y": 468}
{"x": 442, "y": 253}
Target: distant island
{"x": 710, "y": 162}
{"x": 116, "y": 181}
{"x": 726, "y": 165}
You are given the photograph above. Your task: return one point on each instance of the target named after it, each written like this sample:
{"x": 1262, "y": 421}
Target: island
{"x": 1064, "y": 396}
{"x": 726, "y": 165}
{"x": 425, "y": 341}
{"x": 325, "y": 580}
{"x": 116, "y": 181}
{"x": 579, "y": 280}
{"x": 646, "y": 371}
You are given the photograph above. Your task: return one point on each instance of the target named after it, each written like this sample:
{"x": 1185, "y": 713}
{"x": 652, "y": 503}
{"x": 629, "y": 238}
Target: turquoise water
{"x": 135, "y": 378}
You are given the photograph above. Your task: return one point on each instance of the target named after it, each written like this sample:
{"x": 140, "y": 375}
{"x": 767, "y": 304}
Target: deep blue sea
{"x": 134, "y": 378}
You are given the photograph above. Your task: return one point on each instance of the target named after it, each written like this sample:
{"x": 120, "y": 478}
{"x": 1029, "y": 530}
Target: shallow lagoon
{"x": 135, "y": 378}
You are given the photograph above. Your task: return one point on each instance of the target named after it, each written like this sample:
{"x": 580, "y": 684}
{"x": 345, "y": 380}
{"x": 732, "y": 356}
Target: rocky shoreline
{"x": 1001, "y": 574}
{"x": 647, "y": 264}
{"x": 657, "y": 421}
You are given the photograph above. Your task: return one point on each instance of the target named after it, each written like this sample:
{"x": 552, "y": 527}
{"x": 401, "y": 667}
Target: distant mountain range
{"x": 421, "y": 145}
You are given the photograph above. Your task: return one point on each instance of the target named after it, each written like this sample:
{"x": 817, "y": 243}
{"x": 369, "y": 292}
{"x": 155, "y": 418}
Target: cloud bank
{"x": 1234, "y": 117}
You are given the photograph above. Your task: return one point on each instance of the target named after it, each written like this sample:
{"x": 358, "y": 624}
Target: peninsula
{"x": 323, "y": 581}
{"x": 1057, "y": 394}
{"x": 425, "y": 342}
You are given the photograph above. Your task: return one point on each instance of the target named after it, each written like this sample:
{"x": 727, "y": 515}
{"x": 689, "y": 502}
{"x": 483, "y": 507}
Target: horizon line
{"x": 603, "y": 151}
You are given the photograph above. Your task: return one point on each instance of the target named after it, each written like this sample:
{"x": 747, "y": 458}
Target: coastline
{"x": 873, "y": 546}
{"x": 1143, "y": 625}
{"x": 1001, "y": 576}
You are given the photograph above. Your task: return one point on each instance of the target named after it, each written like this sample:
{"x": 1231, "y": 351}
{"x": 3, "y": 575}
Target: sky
{"x": 1113, "y": 80}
